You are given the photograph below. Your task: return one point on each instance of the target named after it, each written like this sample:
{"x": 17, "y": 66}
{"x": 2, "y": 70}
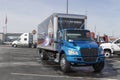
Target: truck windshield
{"x": 73, "y": 35}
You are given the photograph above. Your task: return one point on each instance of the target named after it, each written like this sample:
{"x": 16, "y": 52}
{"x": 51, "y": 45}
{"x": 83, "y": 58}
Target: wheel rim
{"x": 62, "y": 63}
{"x": 107, "y": 54}
{"x": 15, "y": 45}
{"x": 41, "y": 55}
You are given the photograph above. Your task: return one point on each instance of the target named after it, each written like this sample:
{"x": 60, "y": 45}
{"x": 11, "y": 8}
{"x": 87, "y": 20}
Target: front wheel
{"x": 98, "y": 67}
{"x": 64, "y": 64}
{"x": 14, "y": 45}
{"x": 107, "y": 54}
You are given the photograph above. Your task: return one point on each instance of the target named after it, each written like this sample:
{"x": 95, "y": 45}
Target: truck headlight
{"x": 72, "y": 52}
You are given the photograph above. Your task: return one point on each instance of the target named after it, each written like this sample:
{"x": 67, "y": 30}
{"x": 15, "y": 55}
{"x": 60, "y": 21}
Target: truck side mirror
{"x": 60, "y": 35}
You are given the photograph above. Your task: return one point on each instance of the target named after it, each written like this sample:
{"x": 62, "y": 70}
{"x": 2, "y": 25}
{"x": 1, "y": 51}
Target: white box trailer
{"x": 48, "y": 29}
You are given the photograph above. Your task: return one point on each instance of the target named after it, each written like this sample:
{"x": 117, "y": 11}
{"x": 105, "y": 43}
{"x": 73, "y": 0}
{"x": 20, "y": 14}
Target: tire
{"x": 33, "y": 46}
{"x": 107, "y": 54}
{"x": 43, "y": 55}
{"x": 98, "y": 67}
{"x": 64, "y": 64}
{"x": 14, "y": 45}
{"x": 118, "y": 54}
{"x": 30, "y": 46}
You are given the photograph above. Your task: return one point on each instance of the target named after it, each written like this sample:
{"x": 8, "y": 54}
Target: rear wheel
{"x": 118, "y": 54}
{"x": 43, "y": 55}
{"x": 33, "y": 46}
{"x": 98, "y": 67}
{"x": 30, "y": 46}
{"x": 64, "y": 64}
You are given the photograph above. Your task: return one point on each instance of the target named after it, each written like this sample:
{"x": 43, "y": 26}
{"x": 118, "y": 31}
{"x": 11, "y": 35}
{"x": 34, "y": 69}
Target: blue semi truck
{"x": 64, "y": 39}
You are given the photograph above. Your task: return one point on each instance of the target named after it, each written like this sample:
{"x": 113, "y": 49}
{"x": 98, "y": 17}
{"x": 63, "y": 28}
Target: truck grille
{"x": 89, "y": 59}
{"x": 89, "y": 54}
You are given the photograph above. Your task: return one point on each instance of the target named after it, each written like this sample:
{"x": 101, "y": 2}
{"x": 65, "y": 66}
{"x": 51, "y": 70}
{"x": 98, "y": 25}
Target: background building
{"x": 2, "y": 38}
{"x": 8, "y": 38}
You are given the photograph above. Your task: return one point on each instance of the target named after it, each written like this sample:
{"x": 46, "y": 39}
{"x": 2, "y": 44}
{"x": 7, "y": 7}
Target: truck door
{"x": 59, "y": 40}
{"x": 25, "y": 40}
{"x": 22, "y": 41}
{"x": 19, "y": 41}
{"x": 116, "y": 45}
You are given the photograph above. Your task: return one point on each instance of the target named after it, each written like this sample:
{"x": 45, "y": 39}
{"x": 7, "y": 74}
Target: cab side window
{"x": 25, "y": 39}
{"x": 25, "y": 34}
{"x": 117, "y": 42}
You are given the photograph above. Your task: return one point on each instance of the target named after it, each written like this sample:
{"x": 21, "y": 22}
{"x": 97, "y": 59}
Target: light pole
{"x": 67, "y": 7}
{"x": 86, "y": 13}
{"x": 95, "y": 30}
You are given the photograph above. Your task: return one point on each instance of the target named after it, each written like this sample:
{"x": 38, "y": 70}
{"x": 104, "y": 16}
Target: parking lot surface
{"x": 24, "y": 64}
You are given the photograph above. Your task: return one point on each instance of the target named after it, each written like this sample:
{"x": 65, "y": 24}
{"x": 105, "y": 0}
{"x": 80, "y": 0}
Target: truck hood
{"x": 105, "y": 44}
{"x": 14, "y": 42}
{"x": 85, "y": 44}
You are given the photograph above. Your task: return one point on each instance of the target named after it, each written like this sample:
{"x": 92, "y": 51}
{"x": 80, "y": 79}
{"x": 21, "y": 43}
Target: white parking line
{"x": 117, "y": 61}
{"x": 37, "y": 75}
{"x": 11, "y": 64}
{"x": 58, "y": 76}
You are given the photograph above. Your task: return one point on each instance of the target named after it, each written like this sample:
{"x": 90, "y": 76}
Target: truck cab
{"x": 76, "y": 47}
{"x": 26, "y": 39}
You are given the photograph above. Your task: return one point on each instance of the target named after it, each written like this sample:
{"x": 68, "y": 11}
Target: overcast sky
{"x": 25, "y": 15}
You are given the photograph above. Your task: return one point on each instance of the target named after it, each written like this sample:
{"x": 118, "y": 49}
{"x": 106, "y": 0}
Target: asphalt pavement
{"x": 24, "y": 64}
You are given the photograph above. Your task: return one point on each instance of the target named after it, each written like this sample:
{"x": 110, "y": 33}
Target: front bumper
{"x": 85, "y": 60}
